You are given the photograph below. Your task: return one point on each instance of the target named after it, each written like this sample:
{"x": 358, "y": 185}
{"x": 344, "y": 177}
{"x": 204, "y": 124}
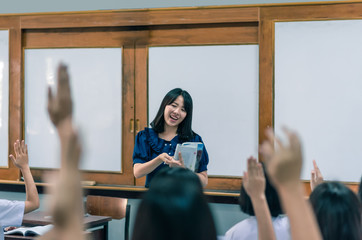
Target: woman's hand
{"x": 170, "y": 161}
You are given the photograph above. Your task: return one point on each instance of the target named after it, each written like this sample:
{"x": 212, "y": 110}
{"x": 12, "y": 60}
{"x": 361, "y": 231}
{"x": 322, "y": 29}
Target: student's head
{"x": 271, "y": 197}
{"x": 338, "y": 211}
{"x": 174, "y": 208}
{"x": 175, "y": 111}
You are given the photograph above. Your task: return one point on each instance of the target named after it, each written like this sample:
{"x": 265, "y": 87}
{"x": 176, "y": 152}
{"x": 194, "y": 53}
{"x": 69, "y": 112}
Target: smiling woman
{"x": 155, "y": 147}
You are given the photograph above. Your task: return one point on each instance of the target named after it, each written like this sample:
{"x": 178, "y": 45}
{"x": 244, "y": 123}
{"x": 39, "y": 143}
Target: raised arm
{"x": 21, "y": 161}
{"x": 67, "y": 208}
{"x": 284, "y": 166}
{"x": 254, "y": 185}
{"x": 316, "y": 176}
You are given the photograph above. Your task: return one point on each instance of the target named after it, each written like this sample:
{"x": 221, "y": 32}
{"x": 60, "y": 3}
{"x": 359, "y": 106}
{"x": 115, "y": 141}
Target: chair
{"x": 114, "y": 207}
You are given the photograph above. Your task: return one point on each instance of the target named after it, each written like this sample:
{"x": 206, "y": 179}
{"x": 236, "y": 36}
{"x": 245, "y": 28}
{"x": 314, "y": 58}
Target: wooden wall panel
{"x": 266, "y": 76}
{"x": 15, "y": 88}
{"x": 313, "y": 12}
{"x": 105, "y": 37}
{"x": 228, "y": 184}
{"x": 235, "y": 34}
{"x": 141, "y": 94}
{"x": 140, "y": 18}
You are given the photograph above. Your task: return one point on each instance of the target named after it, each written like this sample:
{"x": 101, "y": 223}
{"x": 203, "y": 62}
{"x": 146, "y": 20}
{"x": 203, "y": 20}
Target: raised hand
{"x": 21, "y": 159}
{"x": 254, "y": 179}
{"x": 316, "y": 176}
{"x": 254, "y": 185}
{"x": 284, "y": 163}
{"x": 60, "y": 105}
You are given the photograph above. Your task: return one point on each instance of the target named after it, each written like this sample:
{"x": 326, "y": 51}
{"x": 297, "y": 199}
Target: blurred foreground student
{"x": 337, "y": 208}
{"x": 284, "y": 164}
{"x": 259, "y": 199}
{"x": 12, "y": 212}
{"x": 174, "y": 208}
{"x": 67, "y": 208}
{"x": 338, "y": 211}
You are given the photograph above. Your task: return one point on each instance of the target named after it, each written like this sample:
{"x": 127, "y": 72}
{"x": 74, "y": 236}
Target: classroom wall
{"x": 25, "y": 6}
{"x": 226, "y": 215}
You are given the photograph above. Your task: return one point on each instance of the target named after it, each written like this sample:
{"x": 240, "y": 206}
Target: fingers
{"x": 271, "y": 137}
{"x": 267, "y": 150}
{"x": 50, "y": 96}
{"x": 259, "y": 171}
{"x": 312, "y": 177}
{"x": 17, "y": 148}
{"x": 23, "y": 148}
{"x": 181, "y": 160}
{"x": 12, "y": 158}
{"x": 252, "y": 169}
{"x": 245, "y": 178}
{"x": 63, "y": 81}
{"x": 255, "y": 169}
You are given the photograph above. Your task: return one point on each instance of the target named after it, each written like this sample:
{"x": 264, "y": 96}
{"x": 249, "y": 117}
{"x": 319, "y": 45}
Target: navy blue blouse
{"x": 148, "y": 146}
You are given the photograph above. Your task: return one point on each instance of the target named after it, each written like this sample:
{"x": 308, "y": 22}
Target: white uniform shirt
{"x": 248, "y": 229}
{"x": 11, "y": 214}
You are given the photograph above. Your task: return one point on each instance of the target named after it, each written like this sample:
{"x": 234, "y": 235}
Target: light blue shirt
{"x": 248, "y": 229}
{"x": 11, "y": 214}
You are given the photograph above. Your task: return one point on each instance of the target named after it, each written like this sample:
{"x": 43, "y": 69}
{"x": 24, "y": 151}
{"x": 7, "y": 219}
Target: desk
{"x": 42, "y": 218}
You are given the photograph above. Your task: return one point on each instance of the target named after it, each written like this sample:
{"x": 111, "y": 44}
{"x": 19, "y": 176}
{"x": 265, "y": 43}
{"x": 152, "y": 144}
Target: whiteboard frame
{"x": 4, "y": 148}
{"x": 75, "y": 96}
{"x": 309, "y": 152}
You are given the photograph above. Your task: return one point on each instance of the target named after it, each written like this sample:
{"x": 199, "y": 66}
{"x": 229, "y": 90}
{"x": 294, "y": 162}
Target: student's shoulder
{"x": 5, "y": 202}
{"x": 9, "y": 204}
{"x": 243, "y": 229}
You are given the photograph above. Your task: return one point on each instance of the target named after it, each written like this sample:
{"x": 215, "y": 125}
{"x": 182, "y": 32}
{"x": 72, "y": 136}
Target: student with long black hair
{"x": 155, "y": 147}
{"x": 338, "y": 211}
{"x": 174, "y": 208}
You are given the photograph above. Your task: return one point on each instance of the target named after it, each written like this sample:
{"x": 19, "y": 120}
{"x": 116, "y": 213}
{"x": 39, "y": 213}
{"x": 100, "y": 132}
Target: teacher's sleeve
{"x": 141, "y": 152}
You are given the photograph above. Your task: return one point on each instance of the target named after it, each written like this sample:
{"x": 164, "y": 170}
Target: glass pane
{"x": 4, "y": 97}
{"x": 318, "y": 92}
{"x": 96, "y": 81}
{"x": 223, "y": 82}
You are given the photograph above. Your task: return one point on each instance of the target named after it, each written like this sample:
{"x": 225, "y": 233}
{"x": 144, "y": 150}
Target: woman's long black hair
{"x": 184, "y": 130}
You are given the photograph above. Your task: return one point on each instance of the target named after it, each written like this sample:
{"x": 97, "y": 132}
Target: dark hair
{"x": 271, "y": 195}
{"x": 184, "y": 130}
{"x": 338, "y": 211}
{"x": 174, "y": 208}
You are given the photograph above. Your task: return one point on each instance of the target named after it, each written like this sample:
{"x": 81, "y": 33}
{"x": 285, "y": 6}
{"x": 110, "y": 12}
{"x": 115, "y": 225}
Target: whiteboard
{"x": 96, "y": 83}
{"x": 318, "y": 86}
{"x": 4, "y": 98}
{"x": 223, "y": 82}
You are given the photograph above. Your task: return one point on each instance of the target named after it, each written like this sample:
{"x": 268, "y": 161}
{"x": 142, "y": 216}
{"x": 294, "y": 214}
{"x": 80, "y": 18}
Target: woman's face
{"x": 175, "y": 112}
